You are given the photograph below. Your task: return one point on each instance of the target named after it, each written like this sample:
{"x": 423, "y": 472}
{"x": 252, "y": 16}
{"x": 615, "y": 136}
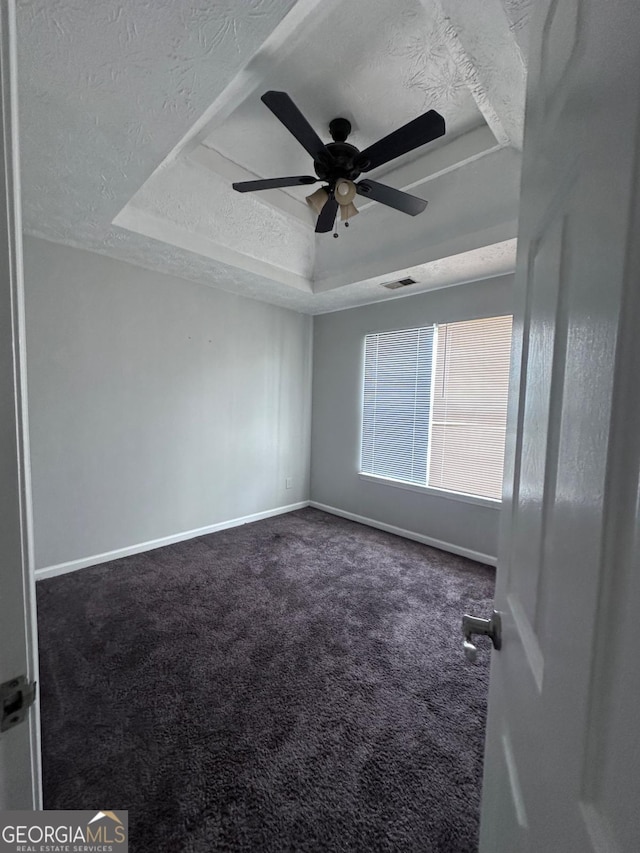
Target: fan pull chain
{"x": 335, "y": 233}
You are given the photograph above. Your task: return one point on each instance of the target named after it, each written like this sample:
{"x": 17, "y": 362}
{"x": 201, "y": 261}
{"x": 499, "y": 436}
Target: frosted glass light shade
{"x": 345, "y": 191}
{"x": 347, "y": 211}
{"x": 318, "y": 199}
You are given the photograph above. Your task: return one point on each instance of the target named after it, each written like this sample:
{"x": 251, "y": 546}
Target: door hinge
{"x": 16, "y": 697}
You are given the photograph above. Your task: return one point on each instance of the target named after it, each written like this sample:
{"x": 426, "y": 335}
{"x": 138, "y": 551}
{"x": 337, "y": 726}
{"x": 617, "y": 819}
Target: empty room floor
{"x": 294, "y": 684}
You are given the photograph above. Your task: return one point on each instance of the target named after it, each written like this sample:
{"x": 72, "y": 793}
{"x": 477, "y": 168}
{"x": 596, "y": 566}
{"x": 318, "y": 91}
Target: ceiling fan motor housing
{"x": 345, "y": 159}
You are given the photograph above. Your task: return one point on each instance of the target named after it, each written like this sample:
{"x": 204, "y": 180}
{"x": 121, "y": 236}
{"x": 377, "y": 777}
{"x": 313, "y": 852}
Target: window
{"x": 435, "y": 405}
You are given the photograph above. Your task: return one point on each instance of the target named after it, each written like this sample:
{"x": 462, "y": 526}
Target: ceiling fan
{"x": 339, "y": 164}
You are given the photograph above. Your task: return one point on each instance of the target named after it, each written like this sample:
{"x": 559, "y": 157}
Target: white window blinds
{"x": 471, "y": 386}
{"x": 435, "y": 403}
{"x": 397, "y": 402}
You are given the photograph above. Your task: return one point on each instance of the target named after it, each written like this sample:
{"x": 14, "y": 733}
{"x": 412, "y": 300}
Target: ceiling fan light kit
{"x": 339, "y": 164}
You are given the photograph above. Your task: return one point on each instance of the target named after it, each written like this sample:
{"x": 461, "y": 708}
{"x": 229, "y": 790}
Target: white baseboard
{"x": 409, "y": 534}
{"x": 85, "y": 562}
{"x": 96, "y": 559}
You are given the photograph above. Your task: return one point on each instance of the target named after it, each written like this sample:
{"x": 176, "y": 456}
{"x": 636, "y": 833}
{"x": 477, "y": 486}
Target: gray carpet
{"x": 296, "y": 684}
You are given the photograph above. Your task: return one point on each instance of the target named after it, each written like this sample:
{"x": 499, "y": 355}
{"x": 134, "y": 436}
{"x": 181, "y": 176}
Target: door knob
{"x": 491, "y": 628}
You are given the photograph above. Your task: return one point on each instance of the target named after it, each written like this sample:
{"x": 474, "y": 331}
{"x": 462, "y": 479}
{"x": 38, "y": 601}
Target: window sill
{"x": 491, "y": 503}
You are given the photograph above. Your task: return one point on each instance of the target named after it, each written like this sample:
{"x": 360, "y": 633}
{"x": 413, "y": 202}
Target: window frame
{"x": 434, "y": 491}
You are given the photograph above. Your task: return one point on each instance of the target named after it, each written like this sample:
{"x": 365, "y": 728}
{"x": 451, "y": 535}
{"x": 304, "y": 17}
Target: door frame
{"x": 11, "y": 248}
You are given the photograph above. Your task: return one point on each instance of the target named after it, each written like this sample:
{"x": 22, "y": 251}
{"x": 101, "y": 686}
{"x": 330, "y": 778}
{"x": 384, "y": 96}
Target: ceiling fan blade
{"x": 274, "y": 183}
{"x": 327, "y": 216}
{"x": 284, "y": 109}
{"x": 402, "y": 201}
{"x": 418, "y": 132}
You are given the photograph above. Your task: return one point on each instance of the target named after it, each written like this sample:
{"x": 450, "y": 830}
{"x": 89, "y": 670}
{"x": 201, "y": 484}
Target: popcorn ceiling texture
{"x": 107, "y": 90}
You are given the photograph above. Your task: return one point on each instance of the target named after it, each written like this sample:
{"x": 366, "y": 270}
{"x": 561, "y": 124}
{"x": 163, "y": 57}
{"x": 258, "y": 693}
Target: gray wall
{"x": 337, "y": 407}
{"x": 156, "y": 405}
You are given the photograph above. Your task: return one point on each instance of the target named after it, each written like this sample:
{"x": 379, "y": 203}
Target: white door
{"x": 562, "y": 771}
{"x": 19, "y": 745}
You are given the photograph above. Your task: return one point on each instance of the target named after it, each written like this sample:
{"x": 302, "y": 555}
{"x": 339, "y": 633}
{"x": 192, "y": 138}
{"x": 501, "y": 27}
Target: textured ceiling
{"x": 117, "y": 99}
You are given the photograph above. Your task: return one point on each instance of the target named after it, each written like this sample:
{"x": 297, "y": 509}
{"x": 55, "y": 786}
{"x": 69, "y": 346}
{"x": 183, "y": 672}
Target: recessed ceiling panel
{"x": 379, "y": 64}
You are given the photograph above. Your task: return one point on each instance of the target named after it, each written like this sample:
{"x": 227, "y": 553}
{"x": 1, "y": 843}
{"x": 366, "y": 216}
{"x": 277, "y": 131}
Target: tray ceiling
{"x": 137, "y": 117}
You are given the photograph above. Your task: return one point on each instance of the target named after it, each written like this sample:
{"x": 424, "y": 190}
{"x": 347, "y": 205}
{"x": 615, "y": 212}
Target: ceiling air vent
{"x": 403, "y": 282}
